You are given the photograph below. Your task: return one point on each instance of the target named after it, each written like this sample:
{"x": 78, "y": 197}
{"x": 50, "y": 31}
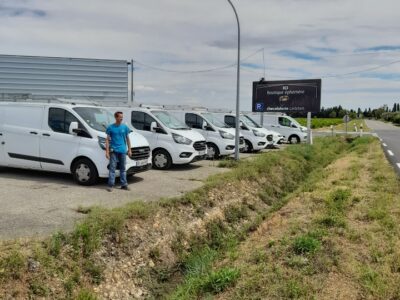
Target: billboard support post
{"x": 262, "y": 119}
{"x": 309, "y": 139}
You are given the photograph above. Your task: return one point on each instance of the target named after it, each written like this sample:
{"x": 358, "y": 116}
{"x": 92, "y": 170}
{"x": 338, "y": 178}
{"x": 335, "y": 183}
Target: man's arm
{"x": 108, "y": 146}
{"x": 128, "y": 142}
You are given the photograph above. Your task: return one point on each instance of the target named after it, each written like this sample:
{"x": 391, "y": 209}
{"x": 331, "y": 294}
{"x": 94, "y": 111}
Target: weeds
{"x": 306, "y": 244}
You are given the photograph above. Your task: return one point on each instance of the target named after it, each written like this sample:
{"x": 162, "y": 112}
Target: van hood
{"x": 264, "y": 130}
{"x": 189, "y": 134}
{"x": 138, "y": 140}
{"x": 231, "y": 131}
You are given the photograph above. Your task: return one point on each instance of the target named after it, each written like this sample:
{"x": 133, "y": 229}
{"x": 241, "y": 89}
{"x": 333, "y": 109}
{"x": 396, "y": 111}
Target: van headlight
{"x": 226, "y": 135}
{"x": 102, "y": 142}
{"x": 181, "y": 139}
{"x": 258, "y": 133}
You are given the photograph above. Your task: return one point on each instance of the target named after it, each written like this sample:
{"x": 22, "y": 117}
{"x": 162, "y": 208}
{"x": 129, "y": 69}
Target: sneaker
{"x": 109, "y": 189}
{"x": 125, "y": 188}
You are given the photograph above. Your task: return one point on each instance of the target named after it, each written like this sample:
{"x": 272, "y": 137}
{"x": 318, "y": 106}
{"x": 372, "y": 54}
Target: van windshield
{"x": 213, "y": 120}
{"x": 249, "y": 122}
{"x": 97, "y": 118}
{"x": 169, "y": 120}
{"x": 294, "y": 122}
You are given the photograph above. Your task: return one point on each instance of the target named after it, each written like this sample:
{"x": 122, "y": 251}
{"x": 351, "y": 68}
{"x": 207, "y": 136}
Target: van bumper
{"x": 134, "y": 170}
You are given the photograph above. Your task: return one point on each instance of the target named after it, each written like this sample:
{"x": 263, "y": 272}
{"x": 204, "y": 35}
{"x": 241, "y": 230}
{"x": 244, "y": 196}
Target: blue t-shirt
{"x": 118, "y": 135}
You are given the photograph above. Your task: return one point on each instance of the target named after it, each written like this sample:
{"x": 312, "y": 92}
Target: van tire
{"x": 214, "y": 153}
{"x": 161, "y": 160}
{"x": 84, "y": 172}
{"x": 248, "y": 148}
{"x": 294, "y": 139}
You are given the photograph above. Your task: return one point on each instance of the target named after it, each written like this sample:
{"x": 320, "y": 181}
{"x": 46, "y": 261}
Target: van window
{"x": 284, "y": 121}
{"x": 141, "y": 120}
{"x": 230, "y": 120}
{"x": 194, "y": 121}
{"x": 60, "y": 119}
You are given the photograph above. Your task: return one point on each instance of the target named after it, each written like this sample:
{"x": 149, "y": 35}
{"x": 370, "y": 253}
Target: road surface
{"x": 390, "y": 139}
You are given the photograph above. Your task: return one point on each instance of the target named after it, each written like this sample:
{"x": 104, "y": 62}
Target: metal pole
{"x": 237, "y": 132}
{"x": 132, "y": 93}
{"x": 309, "y": 139}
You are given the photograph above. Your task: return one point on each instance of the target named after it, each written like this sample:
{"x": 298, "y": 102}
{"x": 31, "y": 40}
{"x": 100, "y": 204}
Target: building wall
{"x": 37, "y": 77}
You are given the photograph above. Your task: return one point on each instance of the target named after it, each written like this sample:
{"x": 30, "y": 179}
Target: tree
{"x": 394, "y": 109}
{"x": 332, "y": 114}
{"x": 398, "y": 107}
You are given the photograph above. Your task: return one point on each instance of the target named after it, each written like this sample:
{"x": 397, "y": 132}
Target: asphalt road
{"x": 34, "y": 203}
{"x": 390, "y": 139}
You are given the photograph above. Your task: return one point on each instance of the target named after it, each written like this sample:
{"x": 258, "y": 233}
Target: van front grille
{"x": 200, "y": 146}
{"x": 140, "y": 153}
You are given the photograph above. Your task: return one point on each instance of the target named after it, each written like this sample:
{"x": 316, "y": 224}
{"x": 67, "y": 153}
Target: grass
{"x": 335, "y": 238}
{"x": 320, "y": 122}
{"x": 252, "y": 192}
{"x": 337, "y": 123}
{"x": 306, "y": 244}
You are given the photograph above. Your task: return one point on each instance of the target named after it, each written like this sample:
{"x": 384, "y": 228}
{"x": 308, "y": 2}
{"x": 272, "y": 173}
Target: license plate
{"x": 141, "y": 163}
{"x": 202, "y": 152}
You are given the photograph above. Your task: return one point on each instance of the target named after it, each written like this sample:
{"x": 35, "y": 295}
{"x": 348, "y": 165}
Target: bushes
{"x": 392, "y": 117}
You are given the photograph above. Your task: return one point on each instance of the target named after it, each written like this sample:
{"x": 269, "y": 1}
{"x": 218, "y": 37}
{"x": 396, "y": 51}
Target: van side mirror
{"x": 294, "y": 126}
{"x": 204, "y": 125}
{"x": 153, "y": 127}
{"x": 74, "y": 128}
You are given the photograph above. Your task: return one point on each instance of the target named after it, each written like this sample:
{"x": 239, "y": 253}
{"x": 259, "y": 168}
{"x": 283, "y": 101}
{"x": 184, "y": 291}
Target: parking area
{"x": 36, "y": 203}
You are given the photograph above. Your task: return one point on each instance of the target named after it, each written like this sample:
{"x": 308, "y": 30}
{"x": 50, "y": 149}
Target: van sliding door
{"x": 2, "y": 136}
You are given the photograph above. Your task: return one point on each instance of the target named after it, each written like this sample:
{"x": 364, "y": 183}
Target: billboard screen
{"x": 287, "y": 96}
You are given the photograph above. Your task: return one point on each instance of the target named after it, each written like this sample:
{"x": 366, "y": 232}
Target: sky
{"x": 353, "y": 45}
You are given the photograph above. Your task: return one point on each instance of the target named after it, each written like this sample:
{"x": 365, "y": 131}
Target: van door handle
{"x": 1, "y": 134}
{"x": 33, "y": 132}
{"x": 46, "y": 134}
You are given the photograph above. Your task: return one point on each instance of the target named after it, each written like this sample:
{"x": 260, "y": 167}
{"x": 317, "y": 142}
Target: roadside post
{"x": 361, "y": 130}
{"x": 309, "y": 138}
{"x": 346, "y": 120}
{"x": 332, "y": 130}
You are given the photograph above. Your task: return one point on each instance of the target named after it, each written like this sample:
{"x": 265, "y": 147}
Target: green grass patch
{"x": 306, "y": 244}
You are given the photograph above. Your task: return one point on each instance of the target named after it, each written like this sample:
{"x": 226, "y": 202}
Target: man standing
{"x": 117, "y": 146}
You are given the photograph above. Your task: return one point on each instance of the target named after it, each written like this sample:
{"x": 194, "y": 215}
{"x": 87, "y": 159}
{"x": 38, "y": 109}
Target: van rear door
{"x": 21, "y": 130}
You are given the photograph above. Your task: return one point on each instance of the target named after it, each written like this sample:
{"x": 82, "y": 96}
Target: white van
{"x": 277, "y": 138}
{"x": 255, "y": 138}
{"x": 65, "y": 138}
{"x": 220, "y": 137}
{"x": 287, "y": 126}
{"x": 171, "y": 141}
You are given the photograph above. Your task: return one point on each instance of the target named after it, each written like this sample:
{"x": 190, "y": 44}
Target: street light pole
{"x": 237, "y": 132}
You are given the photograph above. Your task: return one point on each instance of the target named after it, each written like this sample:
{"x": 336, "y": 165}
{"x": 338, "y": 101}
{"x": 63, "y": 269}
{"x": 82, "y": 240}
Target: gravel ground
{"x": 36, "y": 204}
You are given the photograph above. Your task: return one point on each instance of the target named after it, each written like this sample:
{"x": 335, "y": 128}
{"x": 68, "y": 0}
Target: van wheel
{"x": 248, "y": 147}
{"x": 84, "y": 172}
{"x": 294, "y": 139}
{"x": 161, "y": 160}
{"x": 212, "y": 151}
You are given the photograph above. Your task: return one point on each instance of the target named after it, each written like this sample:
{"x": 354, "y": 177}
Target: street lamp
{"x": 237, "y": 87}
{"x": 130, "y": 63}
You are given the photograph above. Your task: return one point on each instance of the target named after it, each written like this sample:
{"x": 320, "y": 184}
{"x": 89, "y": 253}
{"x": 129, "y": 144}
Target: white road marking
{"x": 390, "y": 153}
{"x": 398, "y": 164}
{"x": 384, "y": 145}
